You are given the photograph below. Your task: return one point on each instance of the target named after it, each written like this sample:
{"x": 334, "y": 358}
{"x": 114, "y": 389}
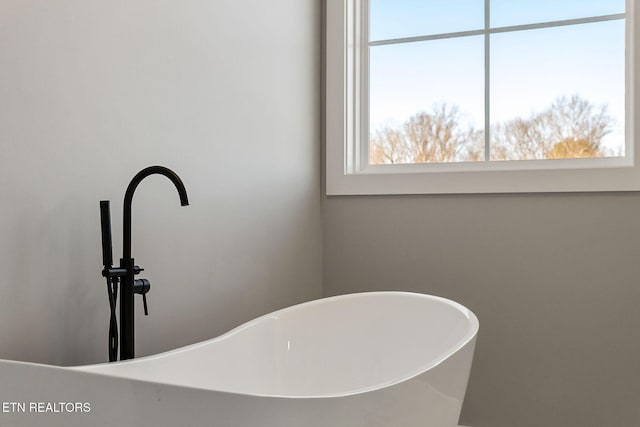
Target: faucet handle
{"x": 142, "y": 286}
{"x": 144, "y": 304}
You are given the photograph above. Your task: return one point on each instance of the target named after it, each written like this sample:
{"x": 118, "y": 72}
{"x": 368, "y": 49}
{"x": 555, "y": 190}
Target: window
{"x": 457, "y": 96}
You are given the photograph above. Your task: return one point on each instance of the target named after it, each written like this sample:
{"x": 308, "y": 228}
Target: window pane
{"x": 426, "y": 101}
{"x": 392, "y": 19}
{"x": 558, "y": 92}
{"x": 519, "y": 12}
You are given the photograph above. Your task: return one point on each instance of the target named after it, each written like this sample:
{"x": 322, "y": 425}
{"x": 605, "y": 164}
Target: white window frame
{"x": 347, "y": 168}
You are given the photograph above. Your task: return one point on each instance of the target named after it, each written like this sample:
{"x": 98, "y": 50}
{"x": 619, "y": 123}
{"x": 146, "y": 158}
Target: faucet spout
{"x": 128, "y": 198}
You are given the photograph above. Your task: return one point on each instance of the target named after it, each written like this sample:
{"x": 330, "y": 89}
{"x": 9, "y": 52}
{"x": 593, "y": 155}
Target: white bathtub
{"x": 370, "y": 359}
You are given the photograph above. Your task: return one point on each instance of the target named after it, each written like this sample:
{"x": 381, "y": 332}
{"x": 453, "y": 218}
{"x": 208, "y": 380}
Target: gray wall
{"x": 554, "y": 280}
{"x": 227, "y": 94}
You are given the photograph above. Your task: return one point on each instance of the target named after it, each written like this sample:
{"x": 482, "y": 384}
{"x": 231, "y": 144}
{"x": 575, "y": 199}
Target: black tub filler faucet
{"x": 124, "y": 274}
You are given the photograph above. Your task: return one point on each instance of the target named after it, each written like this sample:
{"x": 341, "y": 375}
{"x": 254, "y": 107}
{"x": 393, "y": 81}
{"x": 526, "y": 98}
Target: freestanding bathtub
{"x": 360, "y": 360}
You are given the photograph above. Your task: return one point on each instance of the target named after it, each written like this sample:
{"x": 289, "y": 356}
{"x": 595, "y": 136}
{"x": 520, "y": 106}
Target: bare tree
{"x": 570, "y": 127}
{"x": 389, "y": 146}
{"x": 573, "y": 149}
{"x": 433, "y": 137}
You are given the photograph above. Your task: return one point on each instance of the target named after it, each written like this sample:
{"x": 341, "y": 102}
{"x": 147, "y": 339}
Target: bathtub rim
{"x": 410, "y": 374}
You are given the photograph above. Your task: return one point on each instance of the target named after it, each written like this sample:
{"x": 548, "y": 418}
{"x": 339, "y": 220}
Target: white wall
{"x": 226, "y": 93}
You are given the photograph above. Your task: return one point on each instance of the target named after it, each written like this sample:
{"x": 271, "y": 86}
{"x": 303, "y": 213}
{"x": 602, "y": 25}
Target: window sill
{"x": 488, "y": 181}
